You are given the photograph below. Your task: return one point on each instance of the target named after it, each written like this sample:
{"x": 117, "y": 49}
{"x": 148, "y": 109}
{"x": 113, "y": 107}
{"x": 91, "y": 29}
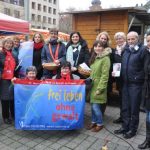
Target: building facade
{"x": 13, "y": 8}
{"x": 43, "y": 14}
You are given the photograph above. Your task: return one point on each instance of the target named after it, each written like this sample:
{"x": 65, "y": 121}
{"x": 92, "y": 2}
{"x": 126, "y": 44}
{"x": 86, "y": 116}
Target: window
{"x": 44, "y": 19}
{"x": 54, "y": 21}
{"x": 54, "y": 11}
{"x": 44, "y": 8}
{"x": 38, "y": 27}
{"x": 49, "y": 10}
{"x": 33, "y": 17}
{"x": 44, "y": 27}
{"x": 49, "y": 20}
{"x": 7, "y": 11}
{"x": 33, "y": 5}
{"x": 16, "y": 2}
{"x": 39, "y": 18}
{"x": 39, "y": 7}
{"x": 17, "y": 13}
{"x": 54, "y": 2}
{"x": 50, "y": 1}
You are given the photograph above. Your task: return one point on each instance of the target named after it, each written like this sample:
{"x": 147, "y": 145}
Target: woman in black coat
{"x": 8, "y": 63}
{"x": 77, "y": 52}
{"x": 146, "y": 95}
{"x": 37, "y": 50}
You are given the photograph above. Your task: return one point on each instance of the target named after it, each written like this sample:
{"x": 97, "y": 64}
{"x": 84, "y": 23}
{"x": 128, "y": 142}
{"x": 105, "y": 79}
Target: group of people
{"x": 132, "y": 83}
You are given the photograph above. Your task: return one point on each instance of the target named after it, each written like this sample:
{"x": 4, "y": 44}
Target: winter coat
{"x": 84, "y": 56}
{"x": 132, "y": 70}
{"x": 116, "y": 58}
{"x": 84, "y": 53}
{"x": 146, "y": 87}
{"x": 37, "y": 62}
{"x": 100, "y": 74}
{"x": 46, "y": 57}
{"x": 6, "y": 92}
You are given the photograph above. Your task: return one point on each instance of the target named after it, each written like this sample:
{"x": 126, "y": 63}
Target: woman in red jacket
{"x": 7, "y": 70}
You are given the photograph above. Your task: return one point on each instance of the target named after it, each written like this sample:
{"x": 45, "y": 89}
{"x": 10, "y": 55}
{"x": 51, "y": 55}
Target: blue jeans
{"x": 148, "y": 116}
{"x": 96, "y": 114}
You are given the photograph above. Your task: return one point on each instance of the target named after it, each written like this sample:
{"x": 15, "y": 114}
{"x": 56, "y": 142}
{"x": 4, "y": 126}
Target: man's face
{"x": 53, "y": 35}
{"x": 132, "y": 40}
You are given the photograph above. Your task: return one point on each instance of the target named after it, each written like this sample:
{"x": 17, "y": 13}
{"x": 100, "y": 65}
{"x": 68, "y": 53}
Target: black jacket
{"x": 146, "y": 88}
{"x": 133, "y": 65}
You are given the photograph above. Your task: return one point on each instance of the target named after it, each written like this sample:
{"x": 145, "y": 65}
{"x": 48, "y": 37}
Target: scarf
{"x": 9, "y": 66}
{"x": 119, "y": 49}
{"x": 69, "y": 55}
{"x": 66, "y": 77}
{"x": 53, "y": 41}
{"x": 38, "y": 46}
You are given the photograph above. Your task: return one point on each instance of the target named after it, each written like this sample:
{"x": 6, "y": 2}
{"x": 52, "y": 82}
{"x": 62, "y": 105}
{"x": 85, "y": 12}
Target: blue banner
{"x": 25, "y": 57}
{"x": 49, "y": 107}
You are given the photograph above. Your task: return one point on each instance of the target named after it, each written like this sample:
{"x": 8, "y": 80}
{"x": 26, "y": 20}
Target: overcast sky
{"x": 84, "y": 4}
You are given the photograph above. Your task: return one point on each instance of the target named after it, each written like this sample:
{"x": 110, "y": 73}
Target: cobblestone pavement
{"x": 12, "y": 139}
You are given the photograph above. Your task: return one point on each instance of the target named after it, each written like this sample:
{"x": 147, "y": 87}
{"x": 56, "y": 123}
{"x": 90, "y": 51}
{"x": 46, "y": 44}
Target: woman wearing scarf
{"x": 7, "y": 69}
{"x": 53, "y": 51}
{"x": 77, "y": 52}
{"x": 116, "y": 57}
{"x": 38, "y": 45}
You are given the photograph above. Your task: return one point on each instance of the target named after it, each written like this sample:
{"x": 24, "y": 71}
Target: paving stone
{"x": 8, "y": 141}
{"x": 15, "y": 145}
{"x": 31, "y": 144}
{"x": 55, "y": 146}
{"x": 40, "y": 147}
{"x": 23, "y": 148}
{"x": 71, "y": 145}
{"x": 64, "y": 148}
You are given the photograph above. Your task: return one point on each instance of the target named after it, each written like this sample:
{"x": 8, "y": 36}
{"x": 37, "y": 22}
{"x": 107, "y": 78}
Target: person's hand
{"x": 113, "y": 74}
{"x": 13, "y": 79}
{"x": 73, "y": 69}
{"x": 57, "y": 62}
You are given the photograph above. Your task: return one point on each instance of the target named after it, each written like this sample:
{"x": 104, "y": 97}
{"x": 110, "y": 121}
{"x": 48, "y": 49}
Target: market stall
{"x": 10, "y": 25}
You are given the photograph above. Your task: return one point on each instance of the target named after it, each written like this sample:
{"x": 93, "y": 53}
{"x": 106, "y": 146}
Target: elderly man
{"x": 133, "y": 78}
{"x": 53, "y": 51}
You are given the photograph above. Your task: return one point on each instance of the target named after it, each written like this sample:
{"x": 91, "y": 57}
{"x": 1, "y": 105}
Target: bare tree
{"x": 65, "y": 21}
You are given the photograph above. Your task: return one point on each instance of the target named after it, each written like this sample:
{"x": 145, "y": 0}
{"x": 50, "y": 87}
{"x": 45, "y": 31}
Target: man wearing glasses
{"x": 53, "y": 51}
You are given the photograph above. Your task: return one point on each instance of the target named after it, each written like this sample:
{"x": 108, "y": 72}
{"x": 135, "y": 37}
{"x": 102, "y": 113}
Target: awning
{"x": 11, "y": 25}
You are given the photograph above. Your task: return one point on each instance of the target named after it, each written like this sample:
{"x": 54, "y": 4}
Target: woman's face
{"x": 31, "y": 75}
{"x": 98, "y": 49}
{"x": 75, "y": 38}
{"x": 65, "y": 71}
{"x": 103, "y": 39}
{"x": 37, "y": 38}
{"x": 8, "y": 45}
{"x": 148, "y": 41}
{"x": 16, "y": 43}
{"x": 120, "y": 40}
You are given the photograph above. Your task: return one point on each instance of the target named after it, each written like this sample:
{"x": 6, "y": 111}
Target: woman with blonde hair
{"x": 116, "y": 57}
{"x": 8, "y": 63}
{"x": 104, "y": 38}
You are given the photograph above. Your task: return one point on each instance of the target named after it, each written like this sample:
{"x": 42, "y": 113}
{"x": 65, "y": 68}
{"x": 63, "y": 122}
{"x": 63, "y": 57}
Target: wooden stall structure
{"x": 91, "y": 22}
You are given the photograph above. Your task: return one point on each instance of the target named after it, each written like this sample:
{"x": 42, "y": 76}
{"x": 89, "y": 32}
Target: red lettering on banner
{"x": 61, "y": 106}
{"x": 56, "y": 117}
